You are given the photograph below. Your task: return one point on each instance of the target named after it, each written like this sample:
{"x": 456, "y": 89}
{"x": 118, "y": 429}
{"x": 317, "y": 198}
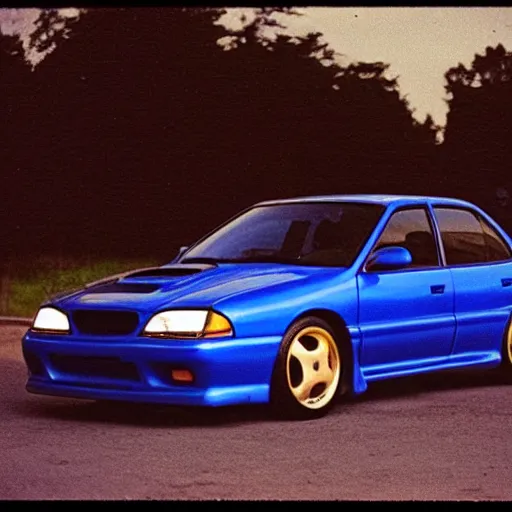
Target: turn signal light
{"x": 182, "y": 376}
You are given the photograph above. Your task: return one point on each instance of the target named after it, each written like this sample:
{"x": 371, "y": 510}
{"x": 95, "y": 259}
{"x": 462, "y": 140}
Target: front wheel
{"x": 308, "y": 371}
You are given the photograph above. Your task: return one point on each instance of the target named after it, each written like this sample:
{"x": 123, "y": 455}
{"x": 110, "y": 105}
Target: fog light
{"x": 182, "y": 375}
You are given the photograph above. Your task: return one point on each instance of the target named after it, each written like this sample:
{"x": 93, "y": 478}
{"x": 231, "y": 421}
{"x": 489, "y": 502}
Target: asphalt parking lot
{"x": 436, "y": 437}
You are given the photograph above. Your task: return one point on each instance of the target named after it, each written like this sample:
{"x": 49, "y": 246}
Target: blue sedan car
{"x": 292, "y": 303}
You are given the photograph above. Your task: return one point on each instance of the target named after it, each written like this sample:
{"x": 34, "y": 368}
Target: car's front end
{"x": 213, "y": 371}
{"x": 134, "y": 340}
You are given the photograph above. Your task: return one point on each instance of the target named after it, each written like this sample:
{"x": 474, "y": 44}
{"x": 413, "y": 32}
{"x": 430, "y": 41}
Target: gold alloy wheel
{"x": 509, "y": 343}
{"x": 313, "y": 367}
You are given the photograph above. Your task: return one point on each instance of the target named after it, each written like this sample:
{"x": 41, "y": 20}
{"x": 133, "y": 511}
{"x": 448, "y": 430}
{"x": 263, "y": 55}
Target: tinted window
{"x": 497, "y": 250}
{"x": 462, "y": 236}
{"x": 411, "y": 229}
{"x": 329, "y": 234}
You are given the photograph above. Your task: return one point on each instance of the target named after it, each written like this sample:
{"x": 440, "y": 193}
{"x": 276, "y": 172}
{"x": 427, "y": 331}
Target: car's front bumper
{"x": 226, "y": 371}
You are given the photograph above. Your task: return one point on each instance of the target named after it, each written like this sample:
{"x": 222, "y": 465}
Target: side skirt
{"x": 470, "y": 359}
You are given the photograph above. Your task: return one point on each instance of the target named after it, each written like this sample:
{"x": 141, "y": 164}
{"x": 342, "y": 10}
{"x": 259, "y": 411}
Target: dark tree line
{"x": 139, "y": 132}
{"x": 477, "y": 152}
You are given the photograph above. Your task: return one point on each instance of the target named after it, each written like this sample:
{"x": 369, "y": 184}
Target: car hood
{"x": 180, "y": 285}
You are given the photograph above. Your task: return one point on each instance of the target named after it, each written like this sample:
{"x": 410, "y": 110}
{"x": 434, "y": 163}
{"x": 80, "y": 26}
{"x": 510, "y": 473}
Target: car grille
{"x": 107, "y": 367}
{"x": 104, "y": 322}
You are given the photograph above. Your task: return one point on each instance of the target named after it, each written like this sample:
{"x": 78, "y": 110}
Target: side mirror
{"x": 389, "y": 258}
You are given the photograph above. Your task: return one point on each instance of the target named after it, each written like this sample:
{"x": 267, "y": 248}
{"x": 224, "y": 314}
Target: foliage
{"x": 28, "y": 289}
{"x": 477, "y": 148}
{"x": 52, "y": 29}
{"x": 143, "y": 133}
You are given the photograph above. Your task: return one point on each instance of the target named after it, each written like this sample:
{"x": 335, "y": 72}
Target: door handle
{"x": 437, "y": 288}
{"x": 506, "y": 281}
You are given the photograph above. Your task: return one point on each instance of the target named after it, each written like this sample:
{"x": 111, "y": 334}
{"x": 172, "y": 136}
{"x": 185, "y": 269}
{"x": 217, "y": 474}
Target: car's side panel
{"x": 405, "y": 316}
{"x": 483, "y": 304}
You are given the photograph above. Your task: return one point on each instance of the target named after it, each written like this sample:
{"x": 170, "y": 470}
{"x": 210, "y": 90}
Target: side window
{"x": 462, "y": 236}
{"x": 497, "y": 250}
{"x": 411, "y": 229}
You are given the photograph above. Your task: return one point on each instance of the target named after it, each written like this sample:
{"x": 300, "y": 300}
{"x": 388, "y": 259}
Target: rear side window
{"x": 497, "y": 249}
{"x": 467, "y": 239}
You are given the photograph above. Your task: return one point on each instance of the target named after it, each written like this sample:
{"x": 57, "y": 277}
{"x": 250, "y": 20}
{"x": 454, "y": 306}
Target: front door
{"x": 407, "y": 315}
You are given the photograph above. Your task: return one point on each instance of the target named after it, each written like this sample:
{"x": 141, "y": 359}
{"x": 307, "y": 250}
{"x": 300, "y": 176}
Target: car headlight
{"x": 52, "y": 320}
{"x": 188, "y": 324}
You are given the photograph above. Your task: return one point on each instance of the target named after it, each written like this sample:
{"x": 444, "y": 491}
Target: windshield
{"x": 320, "y": 234}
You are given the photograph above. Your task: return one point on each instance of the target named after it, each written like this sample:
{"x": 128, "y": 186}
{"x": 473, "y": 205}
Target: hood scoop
{"x": 124, "y": 288}
{"x": 177, "y": 270}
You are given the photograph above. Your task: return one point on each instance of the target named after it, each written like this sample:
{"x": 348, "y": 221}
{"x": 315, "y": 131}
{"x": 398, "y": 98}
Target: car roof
{"x": 386, "y": 200}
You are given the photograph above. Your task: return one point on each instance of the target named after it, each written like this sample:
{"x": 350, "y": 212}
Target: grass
{"x": 25, "y": 286}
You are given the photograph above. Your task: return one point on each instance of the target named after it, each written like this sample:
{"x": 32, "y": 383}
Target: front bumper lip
{"x": 256, "y": 393}
{"x": 227, "y": 371}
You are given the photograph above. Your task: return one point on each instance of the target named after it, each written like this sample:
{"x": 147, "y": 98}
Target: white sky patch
{"x": 18, "y": 21}
{"x": 21, "y": 22}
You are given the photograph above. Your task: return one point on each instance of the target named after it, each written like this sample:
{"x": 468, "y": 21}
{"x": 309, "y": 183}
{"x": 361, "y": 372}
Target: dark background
{"x": 139, "y": 133}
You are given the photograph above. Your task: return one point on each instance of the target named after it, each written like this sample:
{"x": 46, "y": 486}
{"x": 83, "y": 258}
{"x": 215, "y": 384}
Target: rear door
{"x": 479, "y": 259}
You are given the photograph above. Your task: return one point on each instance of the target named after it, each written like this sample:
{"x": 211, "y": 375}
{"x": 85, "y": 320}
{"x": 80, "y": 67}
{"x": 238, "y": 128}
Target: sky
{"x": 21, "y": 22}
{"x": 419, "y": 43}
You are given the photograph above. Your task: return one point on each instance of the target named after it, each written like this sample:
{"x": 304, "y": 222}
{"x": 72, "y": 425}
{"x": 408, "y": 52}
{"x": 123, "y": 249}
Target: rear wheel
{"x": 506, "y": 352}
{"x": 308, "y": 371}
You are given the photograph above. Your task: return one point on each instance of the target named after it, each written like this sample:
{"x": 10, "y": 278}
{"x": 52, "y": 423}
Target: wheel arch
{"x": 505, "y": 341}
{"x": 343, "y": 339}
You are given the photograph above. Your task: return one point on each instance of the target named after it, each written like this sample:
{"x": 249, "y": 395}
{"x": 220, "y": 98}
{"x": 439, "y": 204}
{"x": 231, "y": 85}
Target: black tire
{"x": 306, "y": 388}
